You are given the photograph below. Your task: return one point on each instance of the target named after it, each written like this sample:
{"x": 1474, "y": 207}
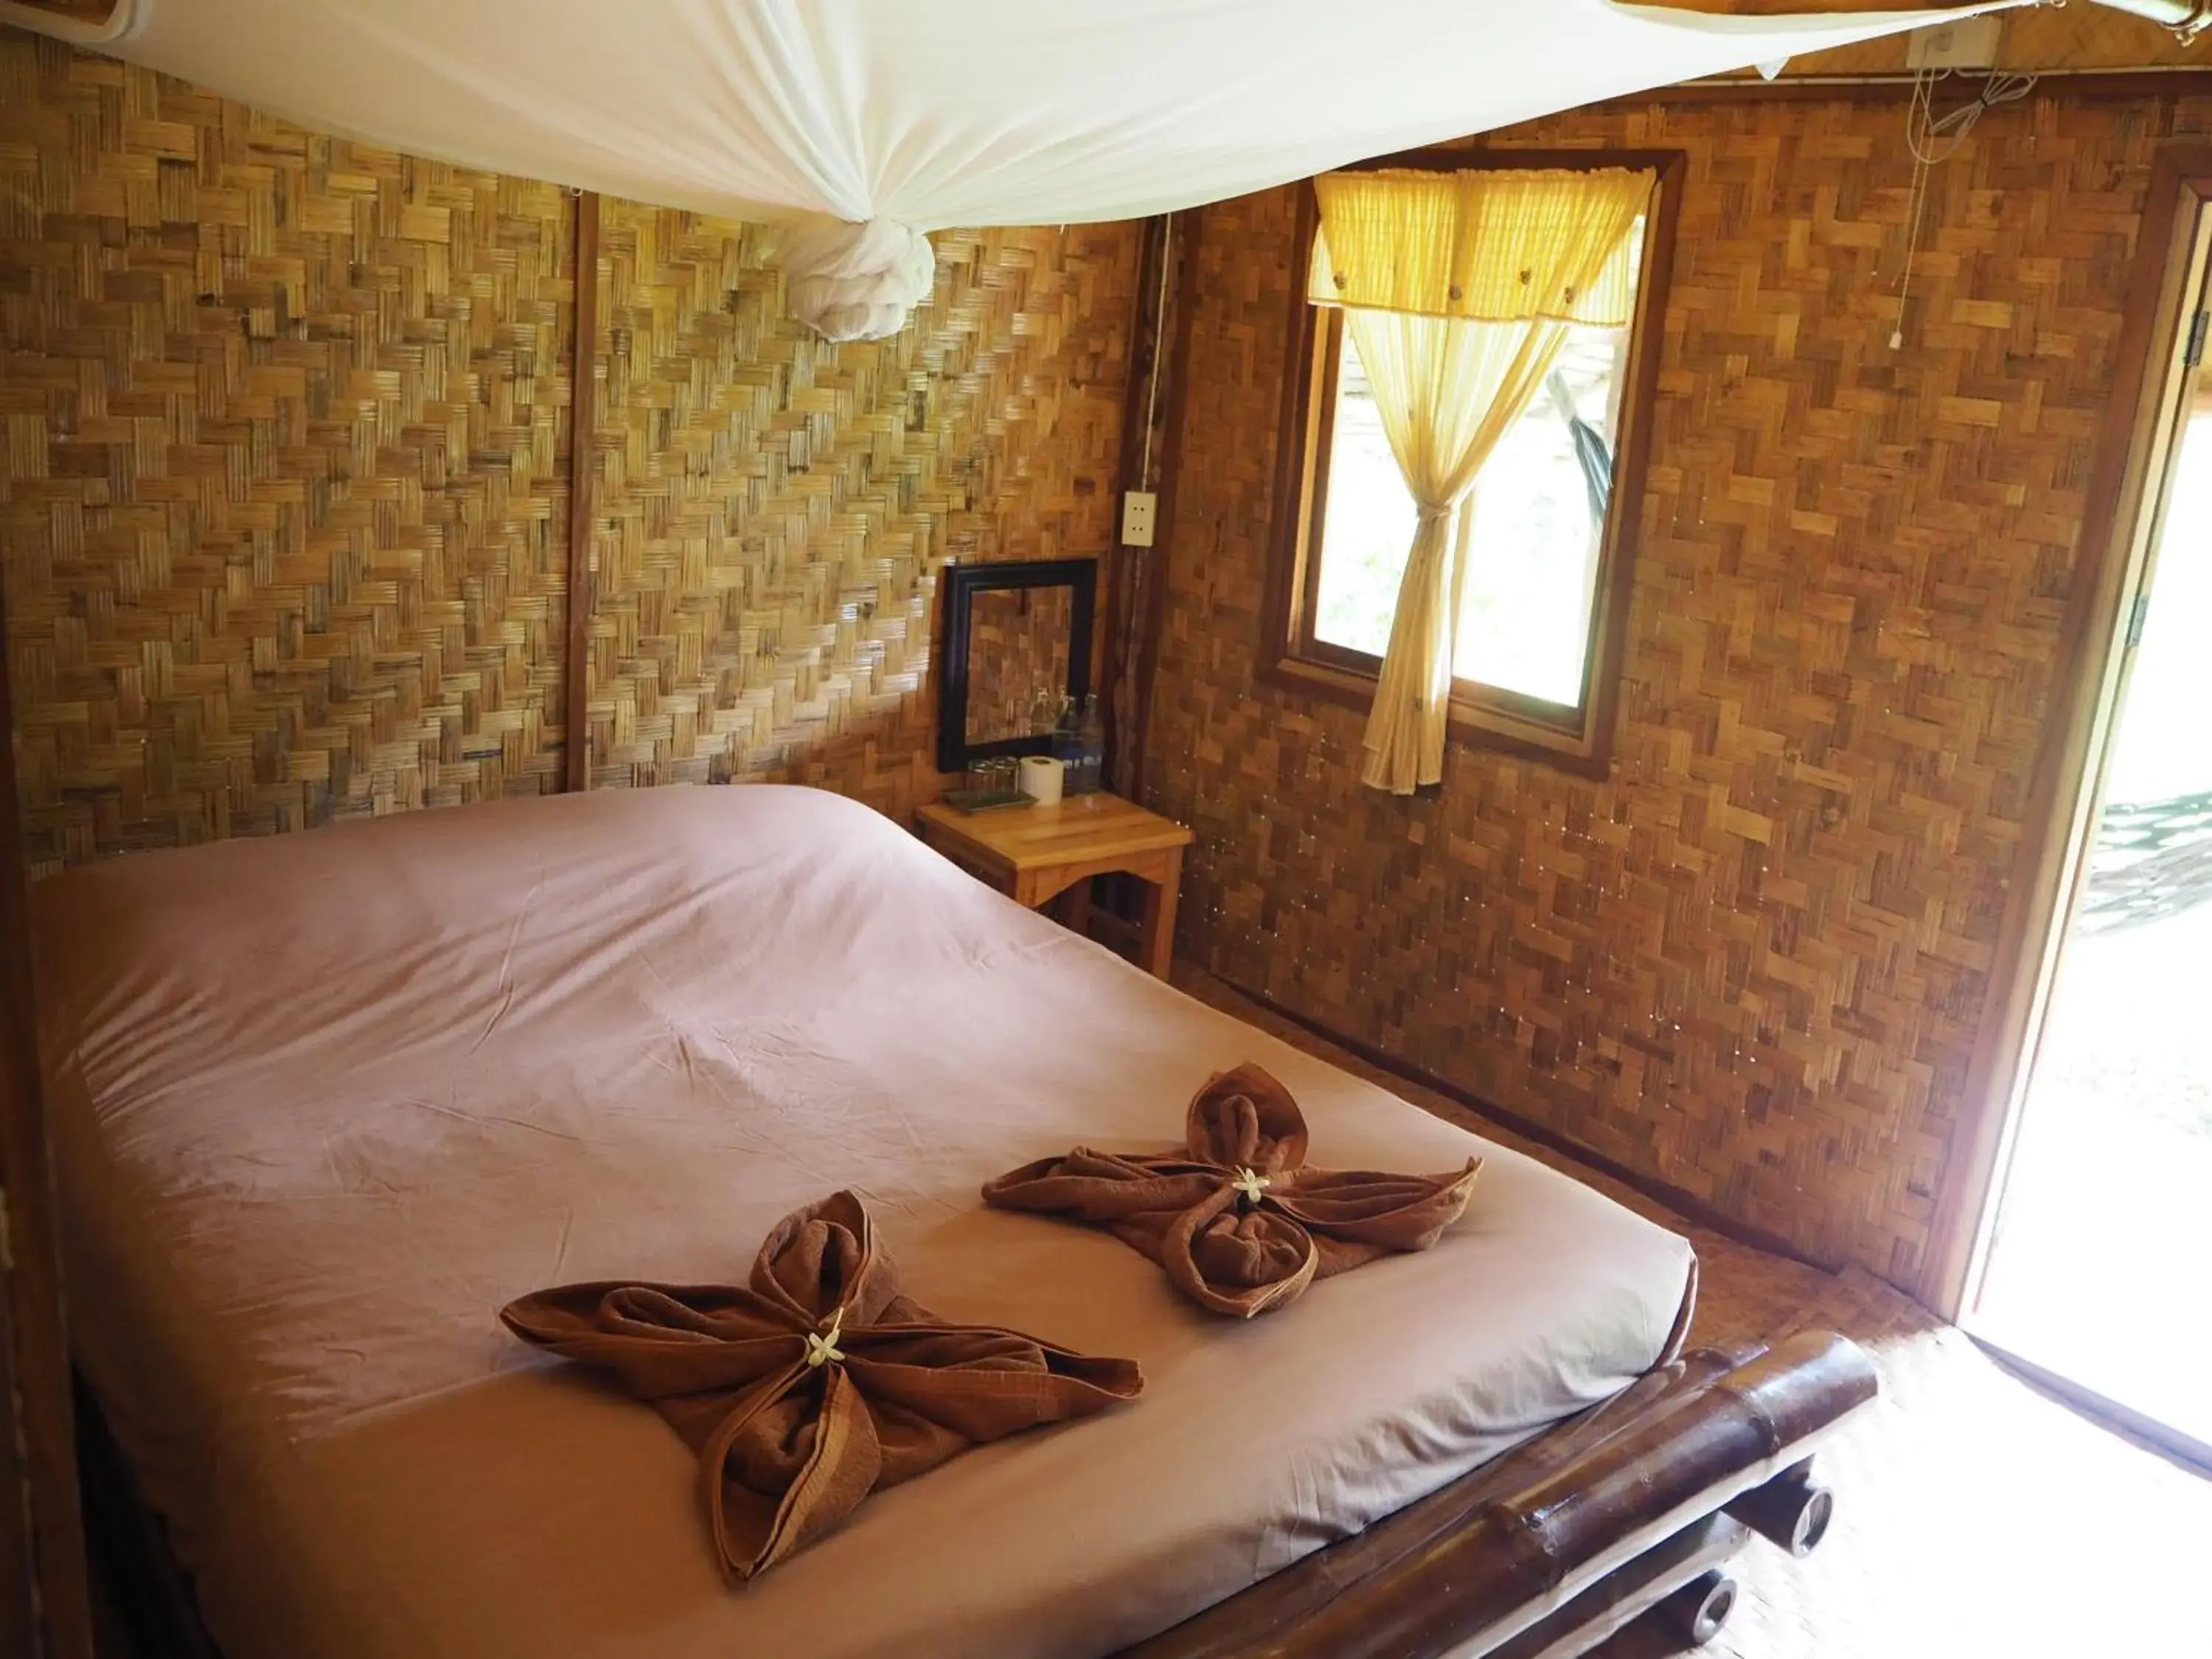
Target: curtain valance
{"x": 1492, "y": 245}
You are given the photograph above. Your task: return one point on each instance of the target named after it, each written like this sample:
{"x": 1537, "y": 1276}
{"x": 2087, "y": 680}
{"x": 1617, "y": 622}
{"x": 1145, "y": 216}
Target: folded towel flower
{"x": 818, "y": 1383}
{"x": 1237, "y": 1218}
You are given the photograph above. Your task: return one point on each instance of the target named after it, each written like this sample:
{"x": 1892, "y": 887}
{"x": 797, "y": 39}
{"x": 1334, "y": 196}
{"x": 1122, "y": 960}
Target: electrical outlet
{"x": 1140, "y": 508}
{"x": 1969, "y": 44}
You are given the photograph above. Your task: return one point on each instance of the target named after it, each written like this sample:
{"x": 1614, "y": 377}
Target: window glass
{"x": 1367, "y": 528}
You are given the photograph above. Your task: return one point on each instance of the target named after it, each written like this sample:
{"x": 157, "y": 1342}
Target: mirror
{"x": 1017, "y": 641}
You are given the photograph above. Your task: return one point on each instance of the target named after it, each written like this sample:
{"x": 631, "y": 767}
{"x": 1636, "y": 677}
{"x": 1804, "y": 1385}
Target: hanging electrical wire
{"x": 1159, "y": 351}
{"x": 1932, "y": 140}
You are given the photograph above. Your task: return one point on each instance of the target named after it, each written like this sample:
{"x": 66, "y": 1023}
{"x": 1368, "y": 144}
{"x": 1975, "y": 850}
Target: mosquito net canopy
{"x": 863, "y": 125}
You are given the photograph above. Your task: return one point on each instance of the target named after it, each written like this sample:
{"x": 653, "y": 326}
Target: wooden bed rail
{"x": 1547, "y": 1550}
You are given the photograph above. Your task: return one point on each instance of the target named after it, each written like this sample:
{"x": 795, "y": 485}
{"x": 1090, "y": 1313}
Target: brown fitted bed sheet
{"x": 324, "y": 1102}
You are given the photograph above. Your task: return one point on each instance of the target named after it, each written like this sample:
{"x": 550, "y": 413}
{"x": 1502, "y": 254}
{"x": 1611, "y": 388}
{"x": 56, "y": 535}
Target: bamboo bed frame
{"x": 1635, "y": 1506}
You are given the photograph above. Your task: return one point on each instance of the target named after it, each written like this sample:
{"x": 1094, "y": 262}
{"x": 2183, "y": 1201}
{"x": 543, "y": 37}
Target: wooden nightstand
{"x": 1034, "y": 854}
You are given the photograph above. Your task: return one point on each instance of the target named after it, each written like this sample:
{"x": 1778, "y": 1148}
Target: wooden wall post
{"x": 42, "y": 1535}
{"x": 583, "y": 479}
{"x": 1159, "y": 346}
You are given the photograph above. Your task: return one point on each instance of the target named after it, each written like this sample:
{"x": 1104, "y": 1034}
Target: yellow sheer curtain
{"x": 1458, "y": 288}
{"x": 1445, "y": 393}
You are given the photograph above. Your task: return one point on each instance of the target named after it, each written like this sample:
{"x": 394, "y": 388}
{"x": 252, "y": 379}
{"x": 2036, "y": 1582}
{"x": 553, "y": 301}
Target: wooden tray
{"x": 986, "y": 800}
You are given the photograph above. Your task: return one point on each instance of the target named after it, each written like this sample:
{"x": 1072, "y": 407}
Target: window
{"x": 1546, "y": 525}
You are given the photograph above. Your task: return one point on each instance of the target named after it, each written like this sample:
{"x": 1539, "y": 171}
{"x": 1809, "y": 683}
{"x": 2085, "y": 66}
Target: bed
{"x": 322, "y": 1103}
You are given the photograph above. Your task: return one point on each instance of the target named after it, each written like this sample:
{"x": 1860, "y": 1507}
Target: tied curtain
{"x": 1458, "y": 290}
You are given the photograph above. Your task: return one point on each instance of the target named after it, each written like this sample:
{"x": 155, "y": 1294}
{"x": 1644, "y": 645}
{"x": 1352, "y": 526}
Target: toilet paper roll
{"x": 1041, "y": 777}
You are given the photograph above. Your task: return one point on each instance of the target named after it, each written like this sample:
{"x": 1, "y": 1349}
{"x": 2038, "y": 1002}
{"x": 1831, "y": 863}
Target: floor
{"x": 1974, "y": 1515}
{"x": 1974, "y": 1518}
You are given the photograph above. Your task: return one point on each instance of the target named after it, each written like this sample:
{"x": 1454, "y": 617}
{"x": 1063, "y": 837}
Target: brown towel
{"x": 817, "y": 1385}
{"x": 1238, "y": 1218}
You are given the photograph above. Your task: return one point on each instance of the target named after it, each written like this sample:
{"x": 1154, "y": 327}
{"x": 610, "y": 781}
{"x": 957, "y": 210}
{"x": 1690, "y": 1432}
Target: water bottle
{"x": 1068, "y": 742}
{"x": 1090, "y": 748}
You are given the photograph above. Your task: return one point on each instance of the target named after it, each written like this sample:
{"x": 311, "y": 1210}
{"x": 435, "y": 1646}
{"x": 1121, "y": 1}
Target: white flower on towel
{"x": 822, "y": 1349}
{"x": 1251, "y": 1183}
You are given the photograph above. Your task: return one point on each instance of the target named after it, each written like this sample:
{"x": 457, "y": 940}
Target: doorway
{"x": 2095, "y": 1265}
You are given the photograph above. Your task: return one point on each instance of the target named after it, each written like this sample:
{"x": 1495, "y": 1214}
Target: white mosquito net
{"x": 863, "y": 125}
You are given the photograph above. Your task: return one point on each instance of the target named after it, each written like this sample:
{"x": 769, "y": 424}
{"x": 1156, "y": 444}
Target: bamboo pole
{"x": 2187, "y": 18}
{"x": 80, "y": 22}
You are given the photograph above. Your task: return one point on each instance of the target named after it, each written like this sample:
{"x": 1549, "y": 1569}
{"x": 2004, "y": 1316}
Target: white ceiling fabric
{"x": 903, "y": 116}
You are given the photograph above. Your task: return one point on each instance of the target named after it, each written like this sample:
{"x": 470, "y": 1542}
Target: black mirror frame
{"x": 962, "y": 583}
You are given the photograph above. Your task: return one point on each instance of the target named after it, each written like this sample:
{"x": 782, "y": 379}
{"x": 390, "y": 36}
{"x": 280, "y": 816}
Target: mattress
{"x": 322, "y": 1103}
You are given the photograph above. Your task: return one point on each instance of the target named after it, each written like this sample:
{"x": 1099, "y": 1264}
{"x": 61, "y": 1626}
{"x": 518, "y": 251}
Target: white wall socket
{"x": 1970, "y": 44}
{"x": 1140, "y": 509}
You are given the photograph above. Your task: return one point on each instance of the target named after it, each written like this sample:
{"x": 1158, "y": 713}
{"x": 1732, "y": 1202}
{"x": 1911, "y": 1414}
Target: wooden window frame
{"x": 1577, "y": 739}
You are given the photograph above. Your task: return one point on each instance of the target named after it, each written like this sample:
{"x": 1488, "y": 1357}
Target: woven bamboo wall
{"x": 285, "y": 494}
{"x": 773, "y": 510}
{"x": 1751, "y": 964}
{"x": 285, "y": 421}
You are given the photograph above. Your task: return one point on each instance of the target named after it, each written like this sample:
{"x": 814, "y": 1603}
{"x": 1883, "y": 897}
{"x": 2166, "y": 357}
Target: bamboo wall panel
{"x": 773, "y": 510}
{"x": 1750, "y": 964}
{"x": 285, "y": 500}
{"x": 285, "y": 438}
